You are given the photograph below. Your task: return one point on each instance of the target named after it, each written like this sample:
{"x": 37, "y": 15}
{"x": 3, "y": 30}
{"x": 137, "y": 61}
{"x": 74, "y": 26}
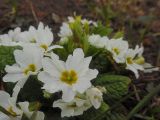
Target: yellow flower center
{"x": 10, "y": 110}
{"x": 44, "y": 46}
{"x": 31, "y": 68}
{"x": 129, "y": 60}
{"x": 69, "y": 77}
{"x": 116, "y": 50}
{"x": 139, "y": 60}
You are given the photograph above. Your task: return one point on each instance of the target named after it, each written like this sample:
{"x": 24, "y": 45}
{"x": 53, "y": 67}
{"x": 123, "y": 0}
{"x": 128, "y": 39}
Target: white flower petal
{"x": 44, "y": 34}
{"x": 39, "y": 115}
{"x": 98, "y": 41}
{"x": 50, "y": 67}
{"x": 68, "y": 94}
{"x": 14, "y": 77}
{"x": 24, "y": 106}
{"x": 54, "y": 47}
{"x": 12, "y": 102}
{"x": 67, "y": 112}
{"x": 59, "y": 103}
{"x": 21, "y": 83}
{"x": 95, "y": 96}
{"x": 82, "y": 85}
{"x": 60, "y": 66}
{"x": 134, "y": 70}
{"x": 4, "y": 116}
{"x": 4, "y": 96}
{"x": 16, "y": 91}
{"x": 21, "y": 58}
{"x": 83, "y": 66}
{"x": 79, "y": 102}
{"x": 65, "y": 30}
{"x": 73, "y": 61}
{"x": 37, "y": 57}
{"x": 13, "y": 69}
{"x": 91, "y": 74}
{"x": 79, "y": 111}
{"x": 50, "y": 84}
{"x": 138, "y": 67}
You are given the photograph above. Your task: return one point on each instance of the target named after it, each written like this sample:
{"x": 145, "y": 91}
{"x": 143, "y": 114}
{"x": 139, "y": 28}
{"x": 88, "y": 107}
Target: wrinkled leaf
{"x": 6, "y": 56}
{"x": 116, "y": 85}
{"x": 93, "y": 114}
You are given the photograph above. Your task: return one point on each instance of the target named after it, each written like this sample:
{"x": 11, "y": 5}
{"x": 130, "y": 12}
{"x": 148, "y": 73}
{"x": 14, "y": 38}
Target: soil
{"x": 54, "y": 12}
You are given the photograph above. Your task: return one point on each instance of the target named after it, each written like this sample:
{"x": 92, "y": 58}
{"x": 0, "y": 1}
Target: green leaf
{"x": 99, "y": 61}
{"x": 102, "y": 114}
{"x": 114, "y": 116}
{"x": 101, "y": 30}
{"x": 24, "y": 117}
{"x": 118, "y": 34}
{"x": 116, "y": 85}
{"x": 155, "y": 110}
{"x": 32, "y": 92}
{"x": 6, "y": 56}
{"x": 93, "y": 114}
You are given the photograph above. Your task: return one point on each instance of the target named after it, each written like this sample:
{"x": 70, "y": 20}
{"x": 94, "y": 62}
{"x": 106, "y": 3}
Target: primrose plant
{"x": 69, "y": 73}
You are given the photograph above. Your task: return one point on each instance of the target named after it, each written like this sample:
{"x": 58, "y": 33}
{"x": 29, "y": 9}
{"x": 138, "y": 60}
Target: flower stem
{"x": 144, "y": 101}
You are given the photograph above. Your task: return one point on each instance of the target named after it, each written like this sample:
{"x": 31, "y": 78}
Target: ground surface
{"x": 140, "y": 19}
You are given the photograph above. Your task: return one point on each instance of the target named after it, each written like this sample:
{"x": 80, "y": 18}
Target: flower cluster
{"x": 119, "y": 48}
{"x": 14, "y": 110}
{"x": 121, "y": 52}
{"x": 63, "y": 68}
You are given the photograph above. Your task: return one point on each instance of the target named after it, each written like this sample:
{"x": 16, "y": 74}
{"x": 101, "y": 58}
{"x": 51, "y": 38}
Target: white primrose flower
{"x": 139, "y": 50}
{"x": 139, "y": 59}
{"x": 74, "y": 108}
{"x": 148, "y": 68}
{"x": 41, "y": 37}
{"x": 83, "y": 21}
{"x": 71, "y": 19}
{"x": 71, "y": 76}
{"x": 26, "y": 37}
{"x": 80, "y": 103}
{"x": 24, "y": 106}
{"x": 131, "y": 62}
{"x": 10, "y": 39}
{"x": 6, "y": 40}
{"x": 118, "y": 48}
{"x": 98, "y": 41}
{"x": 14, "y": 34}
{"x": 28, "y": 62}
{"x": 89, "y": 22}
{"x": 5, "y": 117}
{"x": 65, "y": 31}
{"x": 63, "y": 40}
{"x": 10, "y": 105}
{"x": 95, "y": 96}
